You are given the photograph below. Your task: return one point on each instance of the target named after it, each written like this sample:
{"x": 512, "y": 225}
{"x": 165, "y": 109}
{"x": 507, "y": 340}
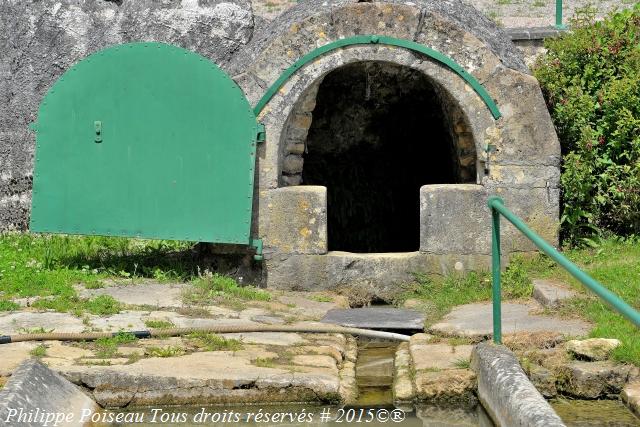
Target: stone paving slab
{"x": 12, "y": 355}
{"x": 475, "y": 321}
{"x": 377, "y": 318}
{"x": 303, "y": 303}
{"x": 18, "y": 322}
{"x": 123, "y": 321}
{"x": 210, "y": 377}
{"x": 439, "y": 356}
{"x": 152, "y": 294}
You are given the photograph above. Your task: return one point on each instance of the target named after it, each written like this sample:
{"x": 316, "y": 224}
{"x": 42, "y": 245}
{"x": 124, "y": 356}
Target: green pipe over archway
{"x": 383, "y": 40}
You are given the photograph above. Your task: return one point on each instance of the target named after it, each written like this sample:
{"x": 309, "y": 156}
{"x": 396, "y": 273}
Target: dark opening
{"x": 379, "y": 133}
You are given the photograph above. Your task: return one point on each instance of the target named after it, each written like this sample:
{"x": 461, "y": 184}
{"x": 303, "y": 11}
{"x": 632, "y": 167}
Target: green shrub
{"x": 591, "y": 82}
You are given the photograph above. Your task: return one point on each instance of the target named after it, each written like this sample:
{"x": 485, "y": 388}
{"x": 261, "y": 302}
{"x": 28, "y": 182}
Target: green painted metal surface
{"x": 145, "y": 140}
{"x": 496, "y": 204}
{"x": 559, "y": 20}
{"x": 383, "y": 40}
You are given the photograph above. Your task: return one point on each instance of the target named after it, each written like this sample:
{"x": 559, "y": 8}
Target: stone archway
{"x": 378, "y": 133}
{"x": 514, "y": 153}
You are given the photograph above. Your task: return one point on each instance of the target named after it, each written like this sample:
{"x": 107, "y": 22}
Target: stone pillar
{"x": 294, "y": 220}
{"x": 454, "y": 219}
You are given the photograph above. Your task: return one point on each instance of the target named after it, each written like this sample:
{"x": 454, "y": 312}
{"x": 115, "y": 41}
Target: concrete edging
{"x": 41, "y": 395}
{"x": 506, "y": 392}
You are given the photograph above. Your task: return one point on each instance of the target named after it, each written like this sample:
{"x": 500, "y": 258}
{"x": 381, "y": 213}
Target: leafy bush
{"x": 591, "y": 82}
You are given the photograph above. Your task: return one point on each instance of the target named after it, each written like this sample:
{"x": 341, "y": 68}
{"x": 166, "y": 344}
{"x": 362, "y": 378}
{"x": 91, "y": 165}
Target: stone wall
{"x": 41, "y": 39}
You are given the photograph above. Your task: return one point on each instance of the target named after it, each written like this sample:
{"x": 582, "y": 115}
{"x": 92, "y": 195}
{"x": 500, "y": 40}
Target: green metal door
{"x": 145, "y": 140}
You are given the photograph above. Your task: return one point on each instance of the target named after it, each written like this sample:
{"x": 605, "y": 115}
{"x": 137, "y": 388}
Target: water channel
{"x": 374, "y": 374}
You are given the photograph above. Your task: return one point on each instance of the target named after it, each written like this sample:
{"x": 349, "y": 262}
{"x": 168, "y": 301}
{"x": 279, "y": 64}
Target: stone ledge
{"x": 533, "y": 33}
{"x": 506, "y": 392}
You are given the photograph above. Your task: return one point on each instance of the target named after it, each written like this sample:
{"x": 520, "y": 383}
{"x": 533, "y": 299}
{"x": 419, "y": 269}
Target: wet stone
{"x": 377, "y": 318}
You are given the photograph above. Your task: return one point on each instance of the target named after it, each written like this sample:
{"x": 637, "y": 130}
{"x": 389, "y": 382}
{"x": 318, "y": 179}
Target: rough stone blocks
{"x": 296, "y": 219}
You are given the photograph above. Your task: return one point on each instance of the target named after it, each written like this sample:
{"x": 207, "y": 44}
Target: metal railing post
{"x": 559, "y": 24}
{"x": 496, "y": 272}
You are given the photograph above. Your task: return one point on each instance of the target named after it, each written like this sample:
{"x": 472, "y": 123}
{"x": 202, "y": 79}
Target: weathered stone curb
{"x": 533, "y": 33}
{"x": 348, "y": 384}
{"x": 34, "y": 387}
{"x": 403, "y": 389}
{"x": 506, "y": 392}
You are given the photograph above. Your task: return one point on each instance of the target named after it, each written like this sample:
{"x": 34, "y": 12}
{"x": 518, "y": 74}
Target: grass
{"x": 169, "y": 351}
{"x": 218, "y": 288}
{"x": 158, "y": 324}
{"x": 102, "y": 305}
{"x": 108, "y": 347}
{"x": 39, "y": 351}
{"x": 614, "y": 262}
{"x": 441, "y": 294}
{"x": 49, "y": 265}
{"x": 213, "y": 342}
{"x": 8, "y": 305}
{"x": 462, "y": 363}
{"x": 322, "y": 298}
{"x": 263, "y": 362}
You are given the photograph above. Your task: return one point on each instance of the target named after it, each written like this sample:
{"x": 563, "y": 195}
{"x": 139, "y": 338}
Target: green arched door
{"x": 145, "y": 140}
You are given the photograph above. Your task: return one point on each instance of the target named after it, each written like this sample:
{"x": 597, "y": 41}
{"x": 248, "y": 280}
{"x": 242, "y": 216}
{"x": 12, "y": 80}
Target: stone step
{"x": 551, "y": 293}
{"x": 475, "y": 321}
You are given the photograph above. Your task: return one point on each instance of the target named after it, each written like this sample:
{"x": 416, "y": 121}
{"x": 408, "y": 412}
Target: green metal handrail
{"x": 496, "y": 204}
{"x": 379, "y": 40}
{"x": 559, "y": 24}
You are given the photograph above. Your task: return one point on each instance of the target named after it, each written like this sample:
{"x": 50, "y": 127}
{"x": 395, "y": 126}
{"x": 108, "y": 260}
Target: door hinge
{"x": 262, "y": 134}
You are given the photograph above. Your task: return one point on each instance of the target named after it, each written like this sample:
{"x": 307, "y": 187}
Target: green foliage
{"x": 444, "y": 293}
{"x": 213, "y": 342}
{"x": 48, "y": 265}
{"x": 39, "y": 351}
{"x": 217, "y": 288}
{"x": 322, "y": 298}
{"x": 108, "y": 347}
{"x": 169, "y": 351}
{"x": 102, "y": 305}
{"x": 159, "y": 324}
{"x": 591, "y": 81}
{"x": 8, "y": 305}
{"x": 462, "y": 363}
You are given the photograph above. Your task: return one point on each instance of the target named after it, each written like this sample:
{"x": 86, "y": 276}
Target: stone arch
{"x": 467, "y": 157}
{"x": 516, "y": 156}
{"x": 377, "y": 125}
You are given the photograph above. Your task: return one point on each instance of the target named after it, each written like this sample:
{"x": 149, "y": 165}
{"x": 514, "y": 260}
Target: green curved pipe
{"x": 383, "y": 40}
